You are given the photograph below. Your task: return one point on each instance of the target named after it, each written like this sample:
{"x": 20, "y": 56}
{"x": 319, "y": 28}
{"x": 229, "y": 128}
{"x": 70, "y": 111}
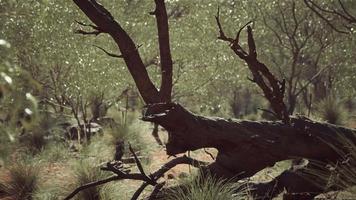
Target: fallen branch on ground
{"x": 151, "y": 179}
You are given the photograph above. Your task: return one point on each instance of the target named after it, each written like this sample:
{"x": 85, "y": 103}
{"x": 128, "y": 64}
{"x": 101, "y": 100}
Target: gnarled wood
{"x": 246, "y": 147}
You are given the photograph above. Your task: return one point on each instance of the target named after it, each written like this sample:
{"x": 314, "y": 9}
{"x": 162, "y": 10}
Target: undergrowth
{"x": 22, "y": 181}
{"x": 207, "y": 187}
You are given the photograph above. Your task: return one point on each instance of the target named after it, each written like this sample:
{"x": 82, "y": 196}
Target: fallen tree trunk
{"x": 246, "y": 147}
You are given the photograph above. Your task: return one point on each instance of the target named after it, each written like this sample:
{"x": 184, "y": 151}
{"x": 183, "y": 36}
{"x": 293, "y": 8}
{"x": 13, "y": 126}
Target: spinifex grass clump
{"x": 206, "y": 187}
{"x": 130, "y": 130}
{"x": 339, "y": 176}
{"x": 332, "y": 110}
{"x": 85, "y": 173}
{"x": 54, "y": 152}
{"x": 21, "y": 182}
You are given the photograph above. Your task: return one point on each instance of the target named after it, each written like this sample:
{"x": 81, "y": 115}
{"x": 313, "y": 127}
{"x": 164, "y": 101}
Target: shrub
{"x": 22, "y": 181}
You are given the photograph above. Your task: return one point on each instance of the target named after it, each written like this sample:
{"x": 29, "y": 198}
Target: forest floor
{"x": 58, "y": 175}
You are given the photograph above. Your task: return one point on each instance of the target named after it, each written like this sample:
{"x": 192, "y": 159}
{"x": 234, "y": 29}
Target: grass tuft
{"x": 339, "y": 176}
{"x": 22, "y": 181}
{"x": 54, "y": 152}
{"x": 206, "y": 187}
{"x": 84, "y": 173}
{"x": 332, "y": 111}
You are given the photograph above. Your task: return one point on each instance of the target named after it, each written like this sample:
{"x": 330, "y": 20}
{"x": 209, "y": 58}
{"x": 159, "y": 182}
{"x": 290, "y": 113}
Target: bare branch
{"x": 237, "y": 38}
{"x": 155, "y": 191}
{"x": 268, "y": 111}
{"x": 140, "y": 168}
{"x": 107, "y": 53}
{"x": 233, "y": 42}
{"x": 311, "y": 80}
{"x": 96, "y": 31}
{"x": 92, "y": 184}
{"x": 210, "y": 154}
{"x": 139, "y": 191}
{"x": 122, "y": 173}
{"x": 314, "y": 7}
{"x": 222, "y": 35}
{"x": 87, "y": 25}
{"x": 352, "y": 19}
{"x": 251, "y": 43}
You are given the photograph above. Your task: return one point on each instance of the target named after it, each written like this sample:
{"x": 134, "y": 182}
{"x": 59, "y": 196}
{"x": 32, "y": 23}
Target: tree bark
{"x": 246, "y": 147}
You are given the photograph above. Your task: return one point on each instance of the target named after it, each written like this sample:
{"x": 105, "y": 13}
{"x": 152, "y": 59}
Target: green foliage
{"x": 206, "y": 187}
{"x": 22, "y": 181}
{"x": 332, "y": 110}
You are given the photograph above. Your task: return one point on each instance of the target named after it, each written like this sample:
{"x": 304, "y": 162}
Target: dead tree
{"x": 244, "y": 147}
